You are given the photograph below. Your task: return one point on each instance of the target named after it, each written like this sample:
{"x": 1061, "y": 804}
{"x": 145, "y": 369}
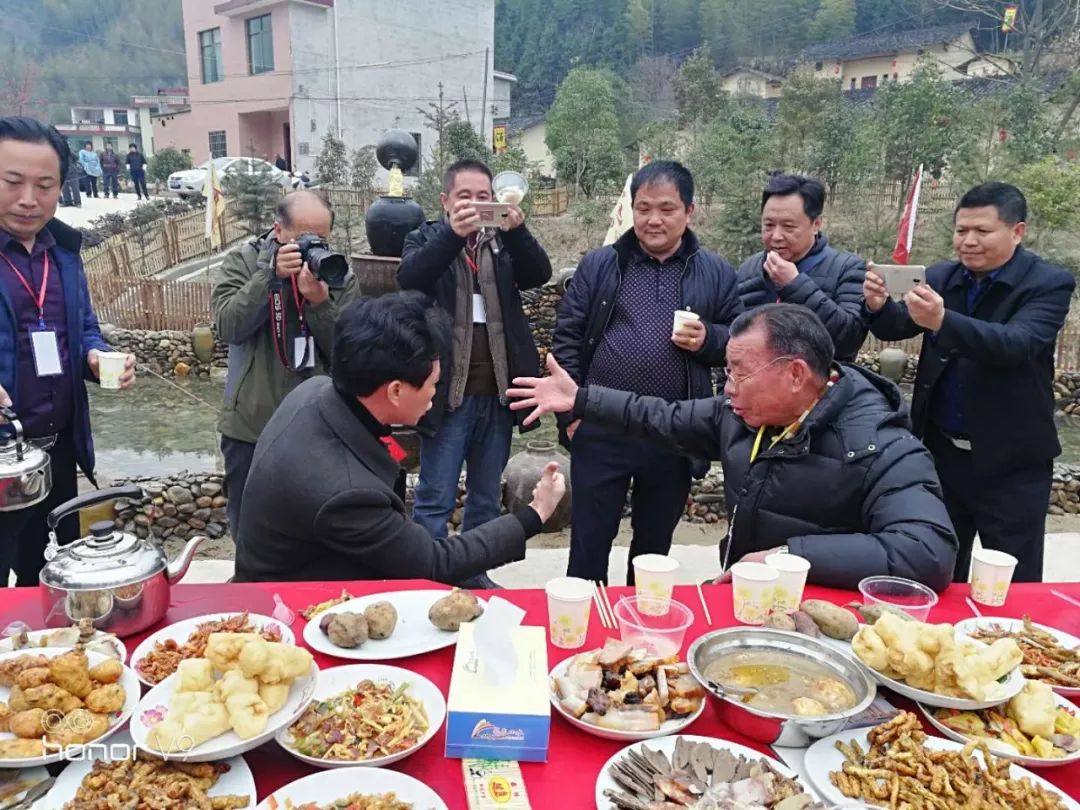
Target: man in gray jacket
{"x": 326, "y": 499}
{"x": 818, "y": 457}
{"x": 799, "y": 266}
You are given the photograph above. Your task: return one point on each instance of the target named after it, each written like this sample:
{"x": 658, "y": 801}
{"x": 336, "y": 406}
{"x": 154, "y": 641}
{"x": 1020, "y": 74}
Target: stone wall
{"x": 176, "y": 506}
{"x": 170, "y": 354}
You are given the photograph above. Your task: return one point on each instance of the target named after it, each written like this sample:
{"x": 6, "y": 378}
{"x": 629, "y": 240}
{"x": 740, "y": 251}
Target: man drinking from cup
{"x": 649, "y": 315}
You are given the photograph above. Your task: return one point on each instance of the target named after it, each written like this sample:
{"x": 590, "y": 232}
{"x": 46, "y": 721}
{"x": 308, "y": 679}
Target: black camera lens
{"x": 323, "y": 263}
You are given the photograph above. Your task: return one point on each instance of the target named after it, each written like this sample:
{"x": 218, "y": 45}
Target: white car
{"x": 190, "y": 182}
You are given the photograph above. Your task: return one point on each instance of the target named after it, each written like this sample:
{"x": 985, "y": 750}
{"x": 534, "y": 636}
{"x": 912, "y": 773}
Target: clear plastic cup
{"x": 660, "y": 635}
{"x": 792, "y": 570}
{"x": 683, "y": 316}
{"x": 111, "y": 368}
{"x": 654, "y": 581}
{"x": 569, "y": 604}
{"x": 991, "y": 575}
{"x": 912, "y": 597}
{"x": 752, "y": 585}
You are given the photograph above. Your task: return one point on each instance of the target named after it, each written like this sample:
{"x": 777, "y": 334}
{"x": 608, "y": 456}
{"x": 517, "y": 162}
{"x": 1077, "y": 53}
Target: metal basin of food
{"x": 772, "y": 728}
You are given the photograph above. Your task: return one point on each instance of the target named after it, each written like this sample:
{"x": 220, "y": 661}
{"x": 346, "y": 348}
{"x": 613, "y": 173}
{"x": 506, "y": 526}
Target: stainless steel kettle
{"x": 117, "y": 580}
{"x": 25, "y": 469}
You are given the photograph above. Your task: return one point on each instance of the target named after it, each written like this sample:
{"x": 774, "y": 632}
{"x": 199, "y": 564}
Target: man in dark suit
{"x": 984, "y": 403}
{"x": 325, "y": 498}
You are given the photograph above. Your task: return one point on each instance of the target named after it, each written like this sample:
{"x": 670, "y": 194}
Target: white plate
{"x": 237, "y": 781}
{"x": 1064, "y": 639}
{"x": 1005, "y": 691}
{"x": 334, "y": 681}
{"x": 28, "y": 777}
{"x": 325, "y": 787}
{"x": 822, "y": 758}
{"x": 1000, "y": 748}
{"x": 36, "y": 636}
{"x": 131, "y": 698}
{"x": 666, "y": 728}
{"x": 155, "y": 706}
{"x": 413, "y": 635}
{"x": 180, "y": 632}
{"x": 666, "y": 745}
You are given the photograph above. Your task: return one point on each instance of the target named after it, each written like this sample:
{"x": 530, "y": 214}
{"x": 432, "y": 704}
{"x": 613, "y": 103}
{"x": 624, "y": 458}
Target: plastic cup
{"x": 792, "y": 570}
{"x": 661, "y": 635}
{"x": 111, "y": 368}
{"x": 991, "y": 575}
{"x": 752, "y": 585}
{"x": 654, "y": 581}
{"x": 912, "y": 597}
{"x": 684, "y": 316}
{"x": 569, "y": 604}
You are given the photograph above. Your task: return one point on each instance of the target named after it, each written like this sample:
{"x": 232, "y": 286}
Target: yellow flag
{"x": 215, "y": 206}
{"x": 1008, "y": 19}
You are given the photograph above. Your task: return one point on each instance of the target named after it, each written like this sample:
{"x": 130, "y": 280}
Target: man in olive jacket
{"x": 264, "y": 365}
{"x": 818, "y": 457}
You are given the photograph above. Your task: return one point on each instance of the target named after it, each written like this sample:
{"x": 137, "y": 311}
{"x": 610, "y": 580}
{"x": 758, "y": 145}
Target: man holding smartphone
{"x": 984, "y": 403}
{"x": 476, "y": 274}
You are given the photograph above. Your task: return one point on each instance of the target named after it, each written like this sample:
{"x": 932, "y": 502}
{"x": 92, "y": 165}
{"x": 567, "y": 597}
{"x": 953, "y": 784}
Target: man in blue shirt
{"x": 984, "y": 403}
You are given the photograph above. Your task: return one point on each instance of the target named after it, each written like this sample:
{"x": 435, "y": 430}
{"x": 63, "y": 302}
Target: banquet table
{"x": 575, "y": 758}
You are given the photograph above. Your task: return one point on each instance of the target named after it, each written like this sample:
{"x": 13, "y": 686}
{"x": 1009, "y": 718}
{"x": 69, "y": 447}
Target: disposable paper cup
{"x": 654, "y": 579}
{"x": 110, "y": 368}
{"x": 569, "y": 603}
{"x": 752, "y": 585}
{"x": 792, "y": 570}
{"x": 991, "y": 575}
{"x": 684, "y": 316}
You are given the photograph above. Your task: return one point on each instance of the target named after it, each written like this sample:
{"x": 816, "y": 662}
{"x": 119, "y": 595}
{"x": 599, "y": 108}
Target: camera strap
{"x": 303, "y": 354}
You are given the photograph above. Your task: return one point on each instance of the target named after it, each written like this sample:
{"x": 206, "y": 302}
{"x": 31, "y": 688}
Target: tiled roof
{"x": 885, "y": 43}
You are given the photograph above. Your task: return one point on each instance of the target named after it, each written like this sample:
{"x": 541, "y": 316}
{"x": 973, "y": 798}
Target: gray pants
{"x": 238, "y": 457}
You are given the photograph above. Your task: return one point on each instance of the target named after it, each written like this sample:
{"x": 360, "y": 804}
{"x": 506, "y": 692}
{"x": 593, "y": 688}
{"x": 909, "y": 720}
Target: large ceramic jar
{"x": 388, "y": 221}
{"x": 522, "y": 474}
{"x": 202, "y": 342}
{"x": 893, "y": 363}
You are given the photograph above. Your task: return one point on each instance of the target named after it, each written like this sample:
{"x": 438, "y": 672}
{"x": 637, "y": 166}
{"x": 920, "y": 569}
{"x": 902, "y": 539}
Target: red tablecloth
{"x": 575, "y": 758}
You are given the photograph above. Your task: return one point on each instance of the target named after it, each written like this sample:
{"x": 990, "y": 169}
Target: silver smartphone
{"x": 491, "y": 213}
{"x": 900, "y": 278}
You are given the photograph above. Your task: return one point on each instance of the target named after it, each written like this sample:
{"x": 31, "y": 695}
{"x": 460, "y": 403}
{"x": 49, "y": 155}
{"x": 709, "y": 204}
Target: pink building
{"x": 271, "y": 77}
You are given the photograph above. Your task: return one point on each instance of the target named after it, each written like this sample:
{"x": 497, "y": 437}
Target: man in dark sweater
{"x": 136, "y": 164}
{"x": 343, "y": 516}
{"x": 110, "y": 169}
{"x": 616, "y": 328}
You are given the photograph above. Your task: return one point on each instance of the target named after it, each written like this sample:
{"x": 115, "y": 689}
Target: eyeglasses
{"x": 735, "y": 382}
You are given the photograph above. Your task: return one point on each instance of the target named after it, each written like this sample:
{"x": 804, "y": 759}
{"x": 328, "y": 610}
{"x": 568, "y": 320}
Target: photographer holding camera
{"x": 275, "y": 301}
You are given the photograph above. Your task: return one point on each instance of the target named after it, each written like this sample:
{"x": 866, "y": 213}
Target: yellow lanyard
{"x": 790, "y": 429}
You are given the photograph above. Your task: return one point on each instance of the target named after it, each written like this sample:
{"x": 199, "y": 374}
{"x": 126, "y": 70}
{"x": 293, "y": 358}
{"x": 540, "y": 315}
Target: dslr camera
{"x": 323, "y": 263}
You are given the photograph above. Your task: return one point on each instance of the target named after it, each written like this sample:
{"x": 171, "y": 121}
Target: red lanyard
{"x": 39, "y": 297}
{"x": 277, "y": 324}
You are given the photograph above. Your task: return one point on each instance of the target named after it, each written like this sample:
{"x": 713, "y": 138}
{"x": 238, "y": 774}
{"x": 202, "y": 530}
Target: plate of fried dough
{"x": 896, "y": 764}
{"x": 54, "y": 702}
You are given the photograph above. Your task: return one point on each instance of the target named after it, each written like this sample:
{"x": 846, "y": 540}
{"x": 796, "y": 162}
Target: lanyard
{"x": 794, "y": 426}
{"x": 277, "y": 323}
{"x": 39, "y": 297}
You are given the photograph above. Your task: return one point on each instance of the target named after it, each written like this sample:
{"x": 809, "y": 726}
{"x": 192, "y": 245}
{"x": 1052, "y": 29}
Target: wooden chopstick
{"x": 600, "y": 607}
{"x": 705, "y": 607}
{"x": 607, "y": 603}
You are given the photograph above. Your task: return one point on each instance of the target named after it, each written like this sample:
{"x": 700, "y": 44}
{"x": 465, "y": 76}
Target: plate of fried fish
{"x": 54, "y": 702}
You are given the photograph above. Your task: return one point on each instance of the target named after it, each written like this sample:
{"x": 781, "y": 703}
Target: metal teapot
{"x": 25, "y": 469}
{"x": 117, "y": 580}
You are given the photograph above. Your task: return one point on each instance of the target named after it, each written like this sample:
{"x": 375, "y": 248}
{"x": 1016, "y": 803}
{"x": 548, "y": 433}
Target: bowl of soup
{"x": 780, "y": 688}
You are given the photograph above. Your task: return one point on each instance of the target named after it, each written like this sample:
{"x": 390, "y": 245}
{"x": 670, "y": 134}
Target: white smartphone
{"x": 900, "y": 278}
{"x": 491, "y": 213}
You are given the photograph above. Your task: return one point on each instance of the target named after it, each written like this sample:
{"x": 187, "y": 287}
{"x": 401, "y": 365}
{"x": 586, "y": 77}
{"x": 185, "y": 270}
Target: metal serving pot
{"x": 119, "y": 581}
{"x": 25, "y": 469}
{"x": 772, "y": 728}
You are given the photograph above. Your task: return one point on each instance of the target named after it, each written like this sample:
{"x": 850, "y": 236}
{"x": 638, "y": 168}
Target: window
{"x": 260, "y": 45}
{"x": 120, "y": 117}
{"x": 818, "y": 65}
{"x": 415, "y": 170}
{"x": 217, "y": 144}
{"x": 90, "y": 116}
{"x": 868, "y": 82}
{"x": 210, "y": 55}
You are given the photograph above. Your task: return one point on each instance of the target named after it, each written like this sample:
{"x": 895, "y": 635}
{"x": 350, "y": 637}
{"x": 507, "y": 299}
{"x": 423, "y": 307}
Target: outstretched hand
{"x": 552, "y": 394}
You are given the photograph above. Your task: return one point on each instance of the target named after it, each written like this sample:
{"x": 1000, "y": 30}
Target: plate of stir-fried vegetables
{"x": 365, "y": 714}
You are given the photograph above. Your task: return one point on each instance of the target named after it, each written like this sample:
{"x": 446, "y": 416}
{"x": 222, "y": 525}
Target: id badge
{"x": 304, "y": 352}
{"x": 46, "y": 352}
{"x": 479, "y": 311}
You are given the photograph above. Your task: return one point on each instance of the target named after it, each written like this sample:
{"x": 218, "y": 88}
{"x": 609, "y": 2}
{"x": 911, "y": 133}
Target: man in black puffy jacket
{"x": 616, "y": 328}
{"x": 798, "y": 266}
{"x": 818, "y": 457}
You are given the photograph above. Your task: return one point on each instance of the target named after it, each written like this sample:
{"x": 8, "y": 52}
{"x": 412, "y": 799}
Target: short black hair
{"x": 88, "y": 143}
{"x": 30, "y": 130}
{"x": 459, "y": 166}
{"x": 132, "y": 146}
{"x": 810, "y": 189}
{"x": 397, "y": 336}
{"x": 664, "y": 171}
{"x": 283, "y": 212}
{"x": 1010, "y": 202}
{"x": 793, "y": 331}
